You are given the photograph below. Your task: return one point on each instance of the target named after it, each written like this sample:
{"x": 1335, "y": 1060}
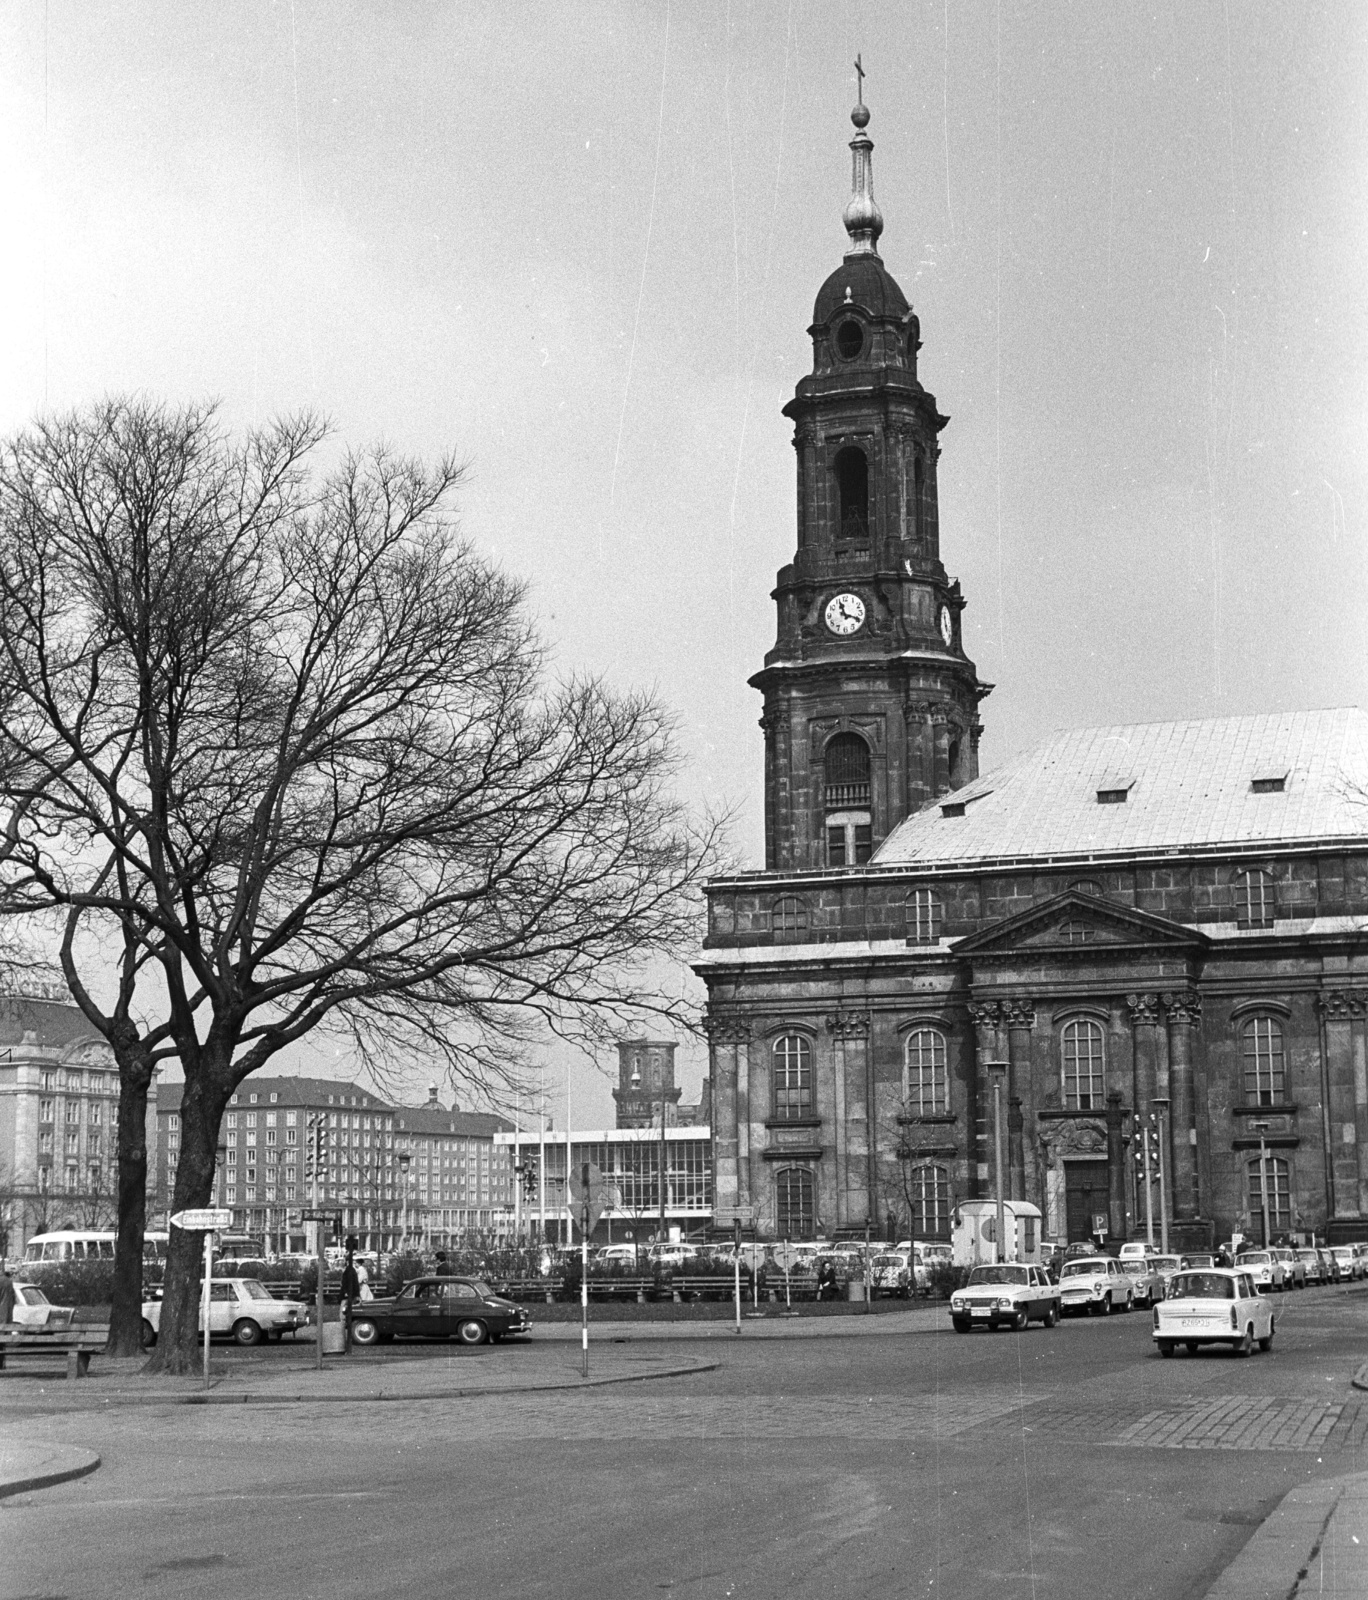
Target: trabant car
{"x": 1095, "y": 1284}
{"x": 1216, "y": 1306}
{"x": 1265, "y": 1269}
{"x": 1346, "y": 1263}
{"x": 890, "y": 1272}
{"x": 1135, "y": 1250}
{"x": 1294, "y": 1268}
{"x": 242, "y": 1307}
{"x": 1147, "y": 1282}
{"x": 33, "y": 1309}
{"x": 438, "y": 1308}
{"x": 1166, "y": 1266}
{"x": 1007, "y": 1295}
{"x": 1312, "y": 1265}
{"x": 1199, "y": 1261}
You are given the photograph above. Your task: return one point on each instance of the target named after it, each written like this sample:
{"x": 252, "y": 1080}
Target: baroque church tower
{"x": 871, "y": 705}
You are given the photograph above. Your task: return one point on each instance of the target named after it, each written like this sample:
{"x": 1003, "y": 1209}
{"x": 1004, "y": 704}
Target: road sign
{"x": 601, "y": 1195}
{"x": 319, "y": 1216}
{"x": 194, "y": 1221}
{"x": 726, "y": 1215}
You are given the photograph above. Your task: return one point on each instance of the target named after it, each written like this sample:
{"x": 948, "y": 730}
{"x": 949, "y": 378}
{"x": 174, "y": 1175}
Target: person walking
{"x": 351, "y": 1290}
{"x": 6, "y": 1296}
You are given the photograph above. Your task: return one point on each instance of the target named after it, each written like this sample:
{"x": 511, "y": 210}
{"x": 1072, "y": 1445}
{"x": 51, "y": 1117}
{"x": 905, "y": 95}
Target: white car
{"x": 241, "y": 1307}
{"x": 1136, "y": 1250}
{"x": 1220, "y": 1305}
{"x": 33, "y": 1309}
{"x": 1095, "y": 1284}
{"x": 890, "y": 1272}
{"x": 1346, "y": 1261}
{"x": 1010, "y": 1295}
{"x": 622, "y": 1254}
{"x": 1265, "y": 1269}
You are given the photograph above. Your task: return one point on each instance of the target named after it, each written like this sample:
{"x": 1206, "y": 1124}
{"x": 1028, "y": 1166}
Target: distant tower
{"x": 871, "y": 705}
{"x": 646, "y": 1070}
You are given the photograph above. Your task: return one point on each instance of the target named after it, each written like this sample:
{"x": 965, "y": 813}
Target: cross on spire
{"x": 860, "y": 76}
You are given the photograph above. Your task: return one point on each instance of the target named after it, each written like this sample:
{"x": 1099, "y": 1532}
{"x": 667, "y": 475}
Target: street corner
{"x": 26, "y": 1465}
{"x": 1360, "y": 1378}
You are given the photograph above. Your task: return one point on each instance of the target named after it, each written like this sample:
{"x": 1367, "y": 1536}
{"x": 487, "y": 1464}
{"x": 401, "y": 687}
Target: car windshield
{"x": 1199, "y": 1261}
{"x": 888, "y": 1261}
{"x": 1202, "y": 1286}
{"x": 1308, "y": 1255}
{"x": 1166, "y": 1263}
{"x": 998, "y": 1275}
{"x": 482, "y": 1288}
{"x": 1255, "y": 1258}
{"x": 1083, "y": 1269}
{"x": 1135, "y": 1264}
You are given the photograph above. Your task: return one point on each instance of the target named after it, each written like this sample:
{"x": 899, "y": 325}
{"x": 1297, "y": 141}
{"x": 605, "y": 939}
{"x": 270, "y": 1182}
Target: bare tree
{"x": 284, "y": 753}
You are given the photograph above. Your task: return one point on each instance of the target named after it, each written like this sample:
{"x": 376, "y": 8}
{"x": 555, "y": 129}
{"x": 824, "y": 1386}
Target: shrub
{"x": 945, "y": 1278}
{"x": 86, "y": 1283}
{"x": 398, "y": 1271}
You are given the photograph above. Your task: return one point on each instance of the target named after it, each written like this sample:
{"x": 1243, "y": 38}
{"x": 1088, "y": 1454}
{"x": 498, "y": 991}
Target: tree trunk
{"x": 125, "y": 1317}
{"x": 178, "y": 1336}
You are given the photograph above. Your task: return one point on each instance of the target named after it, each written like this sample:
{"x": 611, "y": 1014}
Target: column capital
{"x": 1144, "y": 1009}
{"x": 1338, "y": 1005}
{"x": 1183, "y": 1005}
{"x": 727, "y": 1030}
{"x": 1019, "y": 1013}
{"x": 848, "y": 1024}
{"x": 984, "y": 1013}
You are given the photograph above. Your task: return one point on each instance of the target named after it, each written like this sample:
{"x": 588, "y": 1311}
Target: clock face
{"x": 947, "y": 626}
{"x": 845, "y": 613}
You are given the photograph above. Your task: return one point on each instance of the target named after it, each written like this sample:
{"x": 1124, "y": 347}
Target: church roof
{"x": 860, "y": 280}
{"x": 1281, "y": 777}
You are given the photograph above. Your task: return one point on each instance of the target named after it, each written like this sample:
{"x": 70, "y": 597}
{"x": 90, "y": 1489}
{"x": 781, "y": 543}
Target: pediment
{"x": 1079, "y": 924}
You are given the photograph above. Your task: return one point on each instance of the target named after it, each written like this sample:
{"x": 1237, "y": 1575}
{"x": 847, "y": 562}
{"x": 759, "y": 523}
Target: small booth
{"x": 973, "y": 1235}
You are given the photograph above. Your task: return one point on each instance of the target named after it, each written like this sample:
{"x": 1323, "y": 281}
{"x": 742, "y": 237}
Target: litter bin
{"x": 332, "y": 1339}
{"x": 855, "y": 1289}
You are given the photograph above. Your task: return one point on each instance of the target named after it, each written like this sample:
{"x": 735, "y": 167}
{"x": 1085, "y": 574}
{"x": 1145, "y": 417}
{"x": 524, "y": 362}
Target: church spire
{"x": 863, "y": 219}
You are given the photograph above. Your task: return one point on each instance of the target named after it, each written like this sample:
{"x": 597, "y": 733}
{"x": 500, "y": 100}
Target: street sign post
{"x": 591, "y": 1195}
{"x": 320, "y": 1216}
{"x": 208, "y": 1217}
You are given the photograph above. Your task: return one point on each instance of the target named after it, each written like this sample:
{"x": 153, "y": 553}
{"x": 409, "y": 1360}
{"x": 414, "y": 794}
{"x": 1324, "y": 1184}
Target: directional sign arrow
{"x": 201, "y": 1221}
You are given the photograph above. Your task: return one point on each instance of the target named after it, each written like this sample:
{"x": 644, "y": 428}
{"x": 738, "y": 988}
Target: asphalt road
{"x": 1060, "y": 1463}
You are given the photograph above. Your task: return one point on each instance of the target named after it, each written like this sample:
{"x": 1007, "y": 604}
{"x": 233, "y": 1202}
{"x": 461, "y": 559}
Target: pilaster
{"x": 1183, "y": 1013}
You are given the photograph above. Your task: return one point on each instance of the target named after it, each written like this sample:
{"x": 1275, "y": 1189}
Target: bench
{"x": 529, "y": 1288}
{"x": 76, "y": 1344}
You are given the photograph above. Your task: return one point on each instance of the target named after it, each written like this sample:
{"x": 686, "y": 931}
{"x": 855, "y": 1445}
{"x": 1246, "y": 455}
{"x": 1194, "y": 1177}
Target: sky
{"x": 578, "y": 244}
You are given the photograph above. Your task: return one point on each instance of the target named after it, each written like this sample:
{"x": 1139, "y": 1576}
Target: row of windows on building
{"x": 77, "y": 1079}
{"x": 1082, "y": 1062}
{"x": 1253, "y": 898}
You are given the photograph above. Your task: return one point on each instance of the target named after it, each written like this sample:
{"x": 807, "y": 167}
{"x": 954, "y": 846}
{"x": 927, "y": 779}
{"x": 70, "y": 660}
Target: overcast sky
{"x": 579, "y": 245}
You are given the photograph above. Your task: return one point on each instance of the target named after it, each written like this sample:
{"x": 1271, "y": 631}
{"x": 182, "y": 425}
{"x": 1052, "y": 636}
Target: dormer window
{"x": 1268, "y": 783}
{"x": 1112, "y": 797}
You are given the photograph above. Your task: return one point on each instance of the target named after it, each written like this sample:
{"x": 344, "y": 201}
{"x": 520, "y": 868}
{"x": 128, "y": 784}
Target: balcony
{"x": 847, "y": 796}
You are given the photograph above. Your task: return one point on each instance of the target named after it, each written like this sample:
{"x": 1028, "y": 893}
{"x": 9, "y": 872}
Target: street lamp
{"x": 403, "y": 1159}
{"x": 1263, "y": 1128}
{"x": 997, "y": 1076}
{"x": 1161, "y": 1104}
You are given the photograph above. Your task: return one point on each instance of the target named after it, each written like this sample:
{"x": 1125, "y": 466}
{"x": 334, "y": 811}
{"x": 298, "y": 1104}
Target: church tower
{"x": 871, "y": 705}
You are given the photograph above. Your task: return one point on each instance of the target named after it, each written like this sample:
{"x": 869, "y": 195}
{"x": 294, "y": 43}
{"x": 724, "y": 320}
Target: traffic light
{"x": 528, "y": 1170}
{"x": 316, "y": 1162}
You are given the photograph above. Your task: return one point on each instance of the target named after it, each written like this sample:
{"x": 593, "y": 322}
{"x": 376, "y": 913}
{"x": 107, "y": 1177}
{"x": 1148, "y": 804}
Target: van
{"x": 63, "y": 1246}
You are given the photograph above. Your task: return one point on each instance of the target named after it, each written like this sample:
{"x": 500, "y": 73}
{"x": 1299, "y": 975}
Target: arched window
{"x": 852, "y": 485}
{"x": 849, "y": 339}
{"x": 926, "y": 1083}
{"x": 1265, "y": 1078}
{"x": 1081, "y": 1051}
{"x": 795, "y": 1211}
{"x": 1276, "y": 1182}
{"x": 845, "y": 765}
{"x": 788, "y": 916}
{"x": 924, "y": 916}
{"x": 918, "y": 491}
{"x": 929, "y": 1199}
{"x": 1086, "y": 886}
{"x": 1256, "y": 901}
{"x": 792, "y": 1078}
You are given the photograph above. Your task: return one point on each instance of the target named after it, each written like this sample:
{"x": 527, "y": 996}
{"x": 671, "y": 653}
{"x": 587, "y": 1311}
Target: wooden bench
{"x": 76, "y": 1344}
{"x": 529, "y": 1288}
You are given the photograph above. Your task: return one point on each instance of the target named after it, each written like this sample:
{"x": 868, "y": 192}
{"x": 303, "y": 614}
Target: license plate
{"x": 980, "y": 1311}
{"x": 1195, "y": 1322}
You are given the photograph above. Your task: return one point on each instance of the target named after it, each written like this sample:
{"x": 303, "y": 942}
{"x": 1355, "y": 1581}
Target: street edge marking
{"x": 48, "y": 1480}
{"x": 1360, "y": 1378}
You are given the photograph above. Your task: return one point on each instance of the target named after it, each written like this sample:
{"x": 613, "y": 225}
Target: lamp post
{"x": 403, "y": 1159}
{"x": 1261, "y": 1128}
{"x": 997, "y": 1076}
{"x": 1161, "y": 1105}
{"x": 661, "y": 1235}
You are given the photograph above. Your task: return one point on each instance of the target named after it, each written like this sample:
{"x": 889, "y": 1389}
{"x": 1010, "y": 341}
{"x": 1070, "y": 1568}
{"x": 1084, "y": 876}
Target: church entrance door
{"x": 1086, "y": 1196}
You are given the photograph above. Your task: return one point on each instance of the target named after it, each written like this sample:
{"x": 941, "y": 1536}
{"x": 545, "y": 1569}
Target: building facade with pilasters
{"x": 1154, "y": 928}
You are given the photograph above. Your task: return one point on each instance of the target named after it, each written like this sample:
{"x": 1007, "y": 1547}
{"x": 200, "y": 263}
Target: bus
{"x": 66, "y": 1245}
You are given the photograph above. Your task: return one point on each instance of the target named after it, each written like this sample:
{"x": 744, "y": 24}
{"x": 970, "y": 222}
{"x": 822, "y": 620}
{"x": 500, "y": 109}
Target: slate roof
{"x": 55, "y": 1024}
{"x": 1188, "y": 785}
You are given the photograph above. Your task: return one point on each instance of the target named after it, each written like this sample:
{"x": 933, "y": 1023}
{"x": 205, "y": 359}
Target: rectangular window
{"x": 73, "y": 1111}
{"x": 292, "y": 1136}
{"x": 232, "y": 1117}
{"x": 1275, "y": 1182}
{"x": 95, "y": 1115}
{"x": 271, "y": 1117}
{"x": 47, "y": 1081}
{"x": 251, "y": 1117}
{"x": 92, "y": 1144}
{"x": 291, "y": 1118}
{"x": 45, "y": 1142}
{"x": 45, "y": 1110}
{"x": 924, "y": 916}
{"x": 72, "y": 1143}
{"x": 1265, "y": 1076}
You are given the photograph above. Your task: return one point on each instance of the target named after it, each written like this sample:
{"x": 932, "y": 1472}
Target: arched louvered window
{"x": 1082, "y": 1059}
{"x": 845, "y": 766}
{"x": 795, "y": 1211}
{"x": 852, "y": 487}
{"x": 926, "y": 1083}
{"x": 792, "y": 1057}
{"x": 1265, "y": 1077}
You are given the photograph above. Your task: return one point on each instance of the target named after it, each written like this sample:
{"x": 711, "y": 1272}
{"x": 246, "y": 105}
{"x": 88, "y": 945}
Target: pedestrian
{"x": 6, "y": 1296}
{"x": 826, "y": 1280}
{"x": 441, "y": 1263}
{"x": 364, "y": 1290}
{"x": 351, "y": 1282}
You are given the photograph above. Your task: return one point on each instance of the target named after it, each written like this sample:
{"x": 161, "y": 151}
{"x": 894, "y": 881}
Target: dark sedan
{"x": 438, "y": 1308}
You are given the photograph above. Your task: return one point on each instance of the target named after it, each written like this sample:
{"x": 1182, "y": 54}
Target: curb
{"x": 86, "y": 1463}
{"x": 1360, "y": 1378}
{"x": 1284, "y": 1547}
{"x": 380, "y": 1396}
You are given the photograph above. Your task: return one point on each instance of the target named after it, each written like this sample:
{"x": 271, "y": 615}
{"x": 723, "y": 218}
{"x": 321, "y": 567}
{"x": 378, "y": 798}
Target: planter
{"x": 855, "y": 1290}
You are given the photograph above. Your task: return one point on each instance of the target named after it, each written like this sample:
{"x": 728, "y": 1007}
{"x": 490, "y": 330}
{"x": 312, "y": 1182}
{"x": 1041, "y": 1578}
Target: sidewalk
{"x": 1315, "y": 1543}
{"x": 38, "y": 1466}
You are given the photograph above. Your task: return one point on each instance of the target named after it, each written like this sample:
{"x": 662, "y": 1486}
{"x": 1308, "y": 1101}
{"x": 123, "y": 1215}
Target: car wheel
{"x": 246, "y": 1331}
{"x": 1246, "y": 1345}
{"x": 961, "y": 1324}
{"x": 1018, "y": 1323}
{"x": 1051, "y": 1316}
{"x": 1165, "y": 1347}
{"x": 472, "y": 1332}
{"x": 1130, "y": 1303}
{"x": 1267, "y": 1343}
{"x": 1105, "y": 1308}
{"x": 147, "y": 1335}
{"x": 364, "y": 1332}
{"x": 1190, "y": 1347}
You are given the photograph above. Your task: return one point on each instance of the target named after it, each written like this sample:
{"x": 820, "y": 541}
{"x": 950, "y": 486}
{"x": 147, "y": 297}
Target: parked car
{"x": 1199, "y": 1261}
{"x": 621, "y": 1254}
{"x": 33, "y": 1309}
{"x": 1265, "y": 1269}
{"x": 1166, "y": 1266}
{"x": 242, "y": 1307}
{"x": 1147, "y": 1282}
{"x": 438, "y": 1308}
{"x": 1312, "y": 1265}
{"x": 672, "y": 1255}
{"x": 1294, "y": 1268}
{"x": 1008, "y": 1295}
{"x": 1217, "y": 1306}
{"x": 1345, "y": 1266}
{"x": 1135, "y": 1250}
{"x": 1095, "y": 1284}
{"x": 890, "y": 1272}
